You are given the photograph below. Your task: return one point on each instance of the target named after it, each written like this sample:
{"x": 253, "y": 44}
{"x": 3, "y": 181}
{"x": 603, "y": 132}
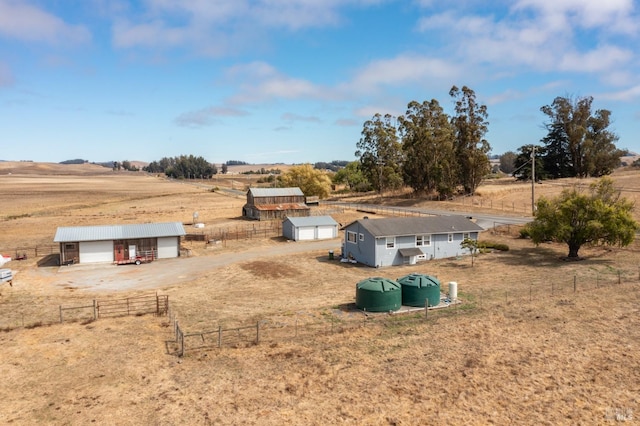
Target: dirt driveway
{"x": 107, "y": 277}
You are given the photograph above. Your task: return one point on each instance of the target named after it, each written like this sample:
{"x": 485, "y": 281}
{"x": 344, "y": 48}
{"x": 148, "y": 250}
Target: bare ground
{"x": 525, "y": 349}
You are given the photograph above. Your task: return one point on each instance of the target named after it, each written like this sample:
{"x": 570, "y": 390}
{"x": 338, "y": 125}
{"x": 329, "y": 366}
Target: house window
{"x": 361, "y": 237}
{"x": 391, "y": 242}
{"x": 450, "y": 238}
{"x": 466, "y": 236}
{"x": 351, "y": 237}
{"x": 423, "y": 240}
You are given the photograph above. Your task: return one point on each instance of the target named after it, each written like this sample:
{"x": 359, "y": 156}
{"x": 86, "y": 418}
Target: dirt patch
{"x": 270, "y": 270}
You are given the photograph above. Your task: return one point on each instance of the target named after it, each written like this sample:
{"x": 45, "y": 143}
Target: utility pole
{"x": 533, "y": 180}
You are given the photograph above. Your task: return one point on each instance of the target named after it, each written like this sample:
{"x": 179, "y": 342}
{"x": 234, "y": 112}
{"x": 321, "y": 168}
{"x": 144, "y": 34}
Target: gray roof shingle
{"x": 396, "y": 226}
{"x": 311, "y": 221}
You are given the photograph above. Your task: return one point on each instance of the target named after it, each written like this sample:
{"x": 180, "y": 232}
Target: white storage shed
{"x": 309, "y": 228}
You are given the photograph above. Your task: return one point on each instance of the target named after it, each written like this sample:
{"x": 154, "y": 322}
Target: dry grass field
{"x": 523, "y": 348}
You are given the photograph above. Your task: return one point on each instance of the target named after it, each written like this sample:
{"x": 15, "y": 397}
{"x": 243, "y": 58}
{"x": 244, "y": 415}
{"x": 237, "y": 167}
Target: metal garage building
{"x": 117, "y": 243}
{"x": 309, "y": 228}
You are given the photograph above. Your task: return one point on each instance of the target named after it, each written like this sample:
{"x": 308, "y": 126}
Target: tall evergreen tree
{"x": 428, "y": 147}
{"x": 380, "y": 153}
{"x": 556, "y": 157}
{"x": 472, "y": 149}
{"x": 585, "y": 136}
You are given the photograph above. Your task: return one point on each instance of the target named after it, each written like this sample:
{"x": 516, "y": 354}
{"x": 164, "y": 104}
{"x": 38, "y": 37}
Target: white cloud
{"x": 259, "y": 82}
{"x": 23, "y": 21}
{"x": 614, "y": 15}
{"x": 207, "y": 116}
{"x": 629, "y": 94}
{"x": 402, "y": 70}
{"x": 226, "y": 24}
{"x": 542, "y": 35}
{"x": 596, "y": 60}
{"x": 289, "y": 116}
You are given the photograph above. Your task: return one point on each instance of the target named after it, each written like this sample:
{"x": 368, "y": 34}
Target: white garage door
{"x": 167, "y": 247}
{"x": 96, "y": 251}
{"x": 325, "y": 232}
{"x": 306, "y": 234}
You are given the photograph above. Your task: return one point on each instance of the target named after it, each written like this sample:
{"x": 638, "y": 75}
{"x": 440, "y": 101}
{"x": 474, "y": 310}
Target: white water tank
{"x": 453, "y": 291}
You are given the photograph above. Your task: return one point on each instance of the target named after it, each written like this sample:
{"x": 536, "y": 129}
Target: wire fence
{"x": 347, "y": 317}
{"x": 20, "y": 312}
{"x": 30, "y": 314}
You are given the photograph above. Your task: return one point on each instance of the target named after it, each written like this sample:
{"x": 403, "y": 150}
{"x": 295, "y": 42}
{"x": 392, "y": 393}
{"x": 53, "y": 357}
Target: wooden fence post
{"x": 574, "y": 284}
{"x": 257, "y": 331}
{"x": 60, "y": 314}
{"x": 181, "y": 343}
{"x": 95, "y": 314}
{"x": 219, "y": 336}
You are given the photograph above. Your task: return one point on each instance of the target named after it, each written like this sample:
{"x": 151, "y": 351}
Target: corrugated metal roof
{"x": 276, "y": 192}
{"x": 118, "y": 232}
{"x": 395, "y": 226}
{"x": 413, "y": 251}
{"x": 312, "y": 221}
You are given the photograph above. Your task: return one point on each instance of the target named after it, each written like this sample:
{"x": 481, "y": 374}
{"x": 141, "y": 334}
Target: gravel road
{"x": 108, "y": 277}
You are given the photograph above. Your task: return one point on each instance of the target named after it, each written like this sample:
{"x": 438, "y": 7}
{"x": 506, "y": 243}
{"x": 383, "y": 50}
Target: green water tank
{"x": 418, "y": 288}
{"x": 378, "y": 295}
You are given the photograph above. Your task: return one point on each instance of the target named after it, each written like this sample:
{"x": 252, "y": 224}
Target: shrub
{"x": 484, "y": 245}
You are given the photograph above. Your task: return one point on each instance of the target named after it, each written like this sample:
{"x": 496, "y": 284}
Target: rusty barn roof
{"x": 283, "y": 206}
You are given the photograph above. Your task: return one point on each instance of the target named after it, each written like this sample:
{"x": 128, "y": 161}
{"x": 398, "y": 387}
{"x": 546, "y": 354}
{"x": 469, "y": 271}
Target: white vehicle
{"x": 6, "y": 275}
{"x": 4, "y": 259}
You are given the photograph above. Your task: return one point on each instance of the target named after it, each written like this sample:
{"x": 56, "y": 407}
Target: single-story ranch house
{"x": 118, "y": 243}
{"x": 309, "y": 228}
{"x": 274, "y": 203}
{"x": 397, "y": 241}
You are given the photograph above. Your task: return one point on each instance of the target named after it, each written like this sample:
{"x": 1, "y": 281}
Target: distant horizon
{"x": 630, "y": 154}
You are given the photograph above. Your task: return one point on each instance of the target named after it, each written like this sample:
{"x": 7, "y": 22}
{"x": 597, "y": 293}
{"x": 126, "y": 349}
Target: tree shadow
{"x": 546, "y": 257}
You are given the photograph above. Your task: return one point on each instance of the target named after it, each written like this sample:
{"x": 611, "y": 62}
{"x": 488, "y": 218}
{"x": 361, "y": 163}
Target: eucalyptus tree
{"x": 583, "y": 135}
{"x": 472, "y": 149}
{"x": 428, "y": 147}
{"x": 380, "y": 152}
{"x": 507, "y": 162}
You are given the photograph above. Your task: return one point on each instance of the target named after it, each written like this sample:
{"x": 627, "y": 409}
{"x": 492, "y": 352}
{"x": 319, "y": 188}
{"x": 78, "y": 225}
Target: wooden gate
{"x": 137, "y": 305}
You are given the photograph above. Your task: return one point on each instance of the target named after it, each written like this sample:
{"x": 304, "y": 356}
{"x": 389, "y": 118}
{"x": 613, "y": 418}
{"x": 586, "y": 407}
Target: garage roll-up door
{"x": 325, "y": 232}
{"x": 167, "y": 247}
{"x": 306, "y": 234}
{"x": 96, "y": 251}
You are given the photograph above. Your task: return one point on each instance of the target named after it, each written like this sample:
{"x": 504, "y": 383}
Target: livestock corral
{"x": 536, "y": 340}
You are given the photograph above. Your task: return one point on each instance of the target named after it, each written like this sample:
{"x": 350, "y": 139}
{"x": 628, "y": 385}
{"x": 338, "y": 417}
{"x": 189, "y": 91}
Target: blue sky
{"x": 293, "y": 81}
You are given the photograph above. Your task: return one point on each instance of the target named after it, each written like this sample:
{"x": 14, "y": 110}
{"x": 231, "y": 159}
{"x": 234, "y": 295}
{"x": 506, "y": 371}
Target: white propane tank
{"x": 453, "y": 291}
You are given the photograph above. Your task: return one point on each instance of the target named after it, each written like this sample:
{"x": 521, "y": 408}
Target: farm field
{"x": 524, "y": 348}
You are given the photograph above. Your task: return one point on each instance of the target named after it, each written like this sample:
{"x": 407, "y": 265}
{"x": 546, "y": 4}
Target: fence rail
{"x": 138, "y": 305}
{"x": 298, "y": 328}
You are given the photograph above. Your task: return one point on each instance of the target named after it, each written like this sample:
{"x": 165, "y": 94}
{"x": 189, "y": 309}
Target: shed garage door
{"x": 167, "y": 247}
{"x": 306, "y": 233}
{"x": 96, "y": 251}
{"x": 325, "y": 232}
